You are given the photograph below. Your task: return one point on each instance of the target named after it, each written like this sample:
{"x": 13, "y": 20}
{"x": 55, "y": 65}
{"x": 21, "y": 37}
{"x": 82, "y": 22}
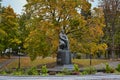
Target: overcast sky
{"x": 17, "y": 5}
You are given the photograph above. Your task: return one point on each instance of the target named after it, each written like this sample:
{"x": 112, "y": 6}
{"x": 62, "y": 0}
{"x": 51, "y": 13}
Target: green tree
{"x": 23, "y": 31}
{"x": 91, "y": 38}
{"x": 111, "y": 13}
{"x": 8, "y": 28}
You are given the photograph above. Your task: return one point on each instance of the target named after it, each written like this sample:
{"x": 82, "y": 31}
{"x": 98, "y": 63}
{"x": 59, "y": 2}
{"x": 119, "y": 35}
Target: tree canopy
{"x": 48, "y": 17}
{"x": 8, "y": 28}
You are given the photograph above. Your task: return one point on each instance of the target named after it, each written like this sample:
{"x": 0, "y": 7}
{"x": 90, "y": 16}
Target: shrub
{"x": 90, "y": 70}
{"x": 32, "y": 71}
{"x": 18, "y": 72}
{"x": 66, "y": 71}
{"x": 3, "y": 72}
{"x": 44, "y": 70}
{"x": 85, "y": 72}
{"x": 93, "y": 70}
{"x": 118, "y": 68}
{"x": 76, "y": 68}
{"x": 59, "y": 74}
{"x": 109, "y": 69}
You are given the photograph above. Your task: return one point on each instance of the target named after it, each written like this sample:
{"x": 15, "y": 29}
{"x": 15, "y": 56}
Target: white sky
{"x": 17, "y": 5}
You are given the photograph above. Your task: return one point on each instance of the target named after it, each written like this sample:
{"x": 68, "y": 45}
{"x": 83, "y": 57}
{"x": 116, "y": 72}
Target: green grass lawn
{"x": 26, "y": 62}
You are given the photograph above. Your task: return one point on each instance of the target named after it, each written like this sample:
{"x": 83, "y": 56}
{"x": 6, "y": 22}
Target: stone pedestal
{"x": 63, "y": 57}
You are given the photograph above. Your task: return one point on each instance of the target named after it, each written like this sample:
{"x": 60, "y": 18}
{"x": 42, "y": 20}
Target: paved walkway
{"x": 6, "y": 62}
{"x": 87, "y": 77}
{"x": 103, "y": 65}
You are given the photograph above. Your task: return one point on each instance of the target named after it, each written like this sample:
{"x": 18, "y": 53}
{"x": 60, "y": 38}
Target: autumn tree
{"x": 23, "y": 31}
{"x": 111, "y": 9}
{"x": 48, "y": 17}
{"x": 8, "y": 28}
{"x": 91, "y": 37}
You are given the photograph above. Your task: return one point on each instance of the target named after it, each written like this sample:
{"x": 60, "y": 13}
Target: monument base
{"x": 70, "y": 66}
{"x": 62, "y": 67}
{"x": 63, "y": 57}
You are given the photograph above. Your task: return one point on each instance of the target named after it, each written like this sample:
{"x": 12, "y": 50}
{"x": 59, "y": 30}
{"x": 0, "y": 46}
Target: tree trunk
{"x": 113, "y": 41}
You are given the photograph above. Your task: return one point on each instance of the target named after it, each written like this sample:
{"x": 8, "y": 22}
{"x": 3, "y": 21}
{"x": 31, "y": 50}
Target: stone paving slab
{"x": 87, "y": 77}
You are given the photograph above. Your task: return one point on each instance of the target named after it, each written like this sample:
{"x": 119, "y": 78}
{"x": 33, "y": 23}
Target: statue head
{"x": 62, "y": 31}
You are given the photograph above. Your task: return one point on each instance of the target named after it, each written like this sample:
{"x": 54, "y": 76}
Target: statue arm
{"x": 63, "y": 37}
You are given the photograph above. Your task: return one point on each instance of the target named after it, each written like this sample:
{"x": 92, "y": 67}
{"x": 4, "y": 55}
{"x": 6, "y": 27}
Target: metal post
{"x": 19, "y": 57}
{"x": 90, "y": 59}
{"x": 90, "y": 62}
{"x": 19, "y": 62}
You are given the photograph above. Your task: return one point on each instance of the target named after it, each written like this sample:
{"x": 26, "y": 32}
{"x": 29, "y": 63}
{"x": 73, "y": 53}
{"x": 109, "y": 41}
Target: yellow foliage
{"x": 84, "y": 34}
{"x": 15, "y": 41}
{"x": 3, "y": 33}
{"x": 102, "y": 47}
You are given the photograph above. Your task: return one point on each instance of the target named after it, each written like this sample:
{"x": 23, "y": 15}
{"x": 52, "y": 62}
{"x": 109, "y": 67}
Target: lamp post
{"x": 90, "y": 62}
{"x": 19, "y": 57}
